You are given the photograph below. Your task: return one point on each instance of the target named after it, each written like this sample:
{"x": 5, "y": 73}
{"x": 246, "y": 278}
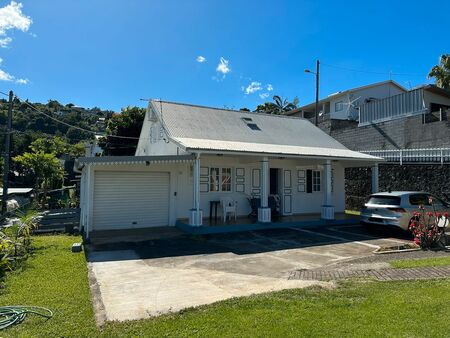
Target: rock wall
{"x": 434, "y": 179}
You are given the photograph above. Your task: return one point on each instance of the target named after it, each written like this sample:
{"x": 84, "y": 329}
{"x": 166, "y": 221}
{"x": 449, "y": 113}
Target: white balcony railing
{"x": 411, "y": 156}
{"x": 402, "y": 105}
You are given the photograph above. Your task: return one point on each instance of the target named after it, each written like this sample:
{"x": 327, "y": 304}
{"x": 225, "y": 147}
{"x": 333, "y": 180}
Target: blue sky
{"x": 113, "y": 53}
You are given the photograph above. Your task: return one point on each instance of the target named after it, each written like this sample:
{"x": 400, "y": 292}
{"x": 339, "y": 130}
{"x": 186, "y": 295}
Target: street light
{"x": 316, "y": 120}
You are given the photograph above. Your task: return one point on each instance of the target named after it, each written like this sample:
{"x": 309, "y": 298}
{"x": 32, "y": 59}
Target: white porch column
{"x": 89, "y": 199}
{"x": 375, "y": 185}
{"x": 327, "y": 207}
{"x": 264, "y": 211}
{"x": 195, "y": 214}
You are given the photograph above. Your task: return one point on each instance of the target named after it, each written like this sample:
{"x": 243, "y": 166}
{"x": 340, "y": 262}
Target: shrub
{"x": 15, "y": 240}
{"x": 425, "y": 228}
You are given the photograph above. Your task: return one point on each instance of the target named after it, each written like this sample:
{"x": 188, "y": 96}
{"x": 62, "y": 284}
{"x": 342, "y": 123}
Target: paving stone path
{"x": 381, "y": 274}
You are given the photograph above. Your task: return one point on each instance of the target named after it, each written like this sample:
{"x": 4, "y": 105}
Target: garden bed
{"x": 397, "y": 248}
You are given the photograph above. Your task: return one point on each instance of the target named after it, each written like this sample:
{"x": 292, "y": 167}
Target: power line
{"x": 372, "y": 72}
{"x": 68, "y": 124}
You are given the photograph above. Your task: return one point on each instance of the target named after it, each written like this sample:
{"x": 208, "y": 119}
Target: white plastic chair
{"x": 229, "y": 206}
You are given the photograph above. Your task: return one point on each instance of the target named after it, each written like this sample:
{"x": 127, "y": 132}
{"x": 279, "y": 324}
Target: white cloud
{"x": 11, "y": 17}
{"x": 4, "y": 76}
{"x": 269, "y": 87}
{"x": 4, "y": 42}
{"x": 200, "y": 59}
{"x": 264, "y": 95}
{"x": 252, "y": 88}
{"x": 223, "y": 67}
{"x": 22, "y": 81}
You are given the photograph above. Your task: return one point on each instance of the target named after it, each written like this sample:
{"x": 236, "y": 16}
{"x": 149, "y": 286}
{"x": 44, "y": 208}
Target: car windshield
{"x": 384, "y": 200}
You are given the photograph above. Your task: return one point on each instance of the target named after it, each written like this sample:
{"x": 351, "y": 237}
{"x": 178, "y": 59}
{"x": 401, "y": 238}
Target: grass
{"x": 56, "y": 278}
{"x": 422, "y": 262}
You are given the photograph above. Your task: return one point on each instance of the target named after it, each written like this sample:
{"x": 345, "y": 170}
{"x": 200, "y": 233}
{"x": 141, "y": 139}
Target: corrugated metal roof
{"x": 198, "y": 127}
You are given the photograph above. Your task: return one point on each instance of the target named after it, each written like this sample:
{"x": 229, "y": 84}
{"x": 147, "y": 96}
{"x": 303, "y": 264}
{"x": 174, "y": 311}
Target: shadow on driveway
{"x": 252, "y": 242}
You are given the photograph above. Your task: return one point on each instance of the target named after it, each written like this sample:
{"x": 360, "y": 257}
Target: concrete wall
{"x": 406, "y": 133}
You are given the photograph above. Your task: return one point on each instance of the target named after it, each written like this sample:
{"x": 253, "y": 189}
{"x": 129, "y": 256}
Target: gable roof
{"x": 199, "y": 128}
{"x": 345, "y": 92}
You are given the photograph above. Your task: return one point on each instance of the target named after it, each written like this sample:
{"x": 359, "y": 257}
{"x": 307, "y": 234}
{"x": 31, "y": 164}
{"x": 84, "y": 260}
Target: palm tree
{"x": 441, "y": 72}
{"x": 282, "y": 105}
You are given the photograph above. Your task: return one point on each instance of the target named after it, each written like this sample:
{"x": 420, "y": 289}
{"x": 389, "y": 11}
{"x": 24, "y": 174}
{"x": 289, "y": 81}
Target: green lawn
{"x": 421, "y": 262}
{"x": 56, "y": 278}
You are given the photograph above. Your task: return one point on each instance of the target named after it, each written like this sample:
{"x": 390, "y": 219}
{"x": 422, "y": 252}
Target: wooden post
{"x": 7, "y": 154}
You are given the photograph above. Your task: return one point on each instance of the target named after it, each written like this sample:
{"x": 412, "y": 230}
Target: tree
{"x": 283, "y": 105}
{"x": 441, "y": 72}
{"x": 127, "y": 124}
{"x": 57, "y": 146}
{"x": 45, "y": 167}
{"x": 279, "y": 106}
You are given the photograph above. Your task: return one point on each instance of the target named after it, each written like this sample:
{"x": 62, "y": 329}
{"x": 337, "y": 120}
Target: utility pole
{"x": 316, "y": 117}
{"x": 317, "y": 93}
{"x": 7, "y": 153}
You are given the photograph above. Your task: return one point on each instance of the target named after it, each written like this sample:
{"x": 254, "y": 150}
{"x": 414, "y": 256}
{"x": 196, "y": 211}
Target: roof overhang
{"x": 122, "y": 160}
{"x": 260, "y": 149}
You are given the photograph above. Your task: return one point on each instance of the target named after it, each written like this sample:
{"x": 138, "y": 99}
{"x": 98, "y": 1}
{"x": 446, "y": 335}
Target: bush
{"x": 426, "y": 228}
{"x": 15, "y": 240}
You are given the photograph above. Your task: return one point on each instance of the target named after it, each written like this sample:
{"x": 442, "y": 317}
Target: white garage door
{"x": 124, "y": 200}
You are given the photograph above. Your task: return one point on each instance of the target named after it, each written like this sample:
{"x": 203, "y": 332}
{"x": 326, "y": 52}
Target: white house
{"x": 344, "y": 105}
{"x": 189, "y": 156}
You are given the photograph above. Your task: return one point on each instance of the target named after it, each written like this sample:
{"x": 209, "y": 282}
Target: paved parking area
{"x": 145, "y": 279}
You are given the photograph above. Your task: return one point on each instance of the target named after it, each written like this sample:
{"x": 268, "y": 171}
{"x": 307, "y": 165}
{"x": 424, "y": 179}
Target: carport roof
{"x": 203, "y": 129}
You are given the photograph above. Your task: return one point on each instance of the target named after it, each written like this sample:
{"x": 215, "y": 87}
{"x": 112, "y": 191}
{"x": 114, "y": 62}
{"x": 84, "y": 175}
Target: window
{"x": 338, "y": 106}
{"x": 220, "y": 179}
{"x": 419, "y": 199}
{"x": 316, "y": 180}
{"x": 384, "y": 200}
{"x": 249, "y": 122}
{"x": 253, "y": 126}
{"x": 226, "y": 179}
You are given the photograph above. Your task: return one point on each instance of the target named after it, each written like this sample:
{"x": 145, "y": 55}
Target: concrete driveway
{"x": 140, "y": 280}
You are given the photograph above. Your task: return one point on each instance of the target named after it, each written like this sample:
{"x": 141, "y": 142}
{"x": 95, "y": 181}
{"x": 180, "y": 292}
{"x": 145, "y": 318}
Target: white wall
{"x": 430, "y": 97}
{"x": 302, "y": 202}
{"x": 153, "y": 140}
{"x": 378, "y": 92}
{"x": 181, "y": 185}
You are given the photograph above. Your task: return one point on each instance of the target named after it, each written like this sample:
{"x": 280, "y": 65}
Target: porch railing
{"x": 406, "y": 104}
{"x": 404, "y": 156}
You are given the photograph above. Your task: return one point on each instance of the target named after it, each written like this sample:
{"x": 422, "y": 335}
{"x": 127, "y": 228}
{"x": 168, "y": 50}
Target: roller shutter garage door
{"x": 125, "y": 200}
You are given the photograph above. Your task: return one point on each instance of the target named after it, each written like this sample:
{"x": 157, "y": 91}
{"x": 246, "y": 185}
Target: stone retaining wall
{"x": 434, "y": 179}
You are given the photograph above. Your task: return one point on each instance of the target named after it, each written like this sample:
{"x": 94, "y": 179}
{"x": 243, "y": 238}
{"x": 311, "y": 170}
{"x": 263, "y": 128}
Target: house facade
{"x": 190, "y": 158}
{"x": 344, "y": 105}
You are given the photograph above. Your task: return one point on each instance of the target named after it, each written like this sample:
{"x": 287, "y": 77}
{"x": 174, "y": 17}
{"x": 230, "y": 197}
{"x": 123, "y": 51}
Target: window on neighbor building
{"x": 338, "y": 106}
{"x": 220, "y": 179}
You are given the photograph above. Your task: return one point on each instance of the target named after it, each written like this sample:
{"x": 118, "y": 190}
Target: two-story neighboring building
{"x": 344, "y": 105}
{"x": 408, "y": 128}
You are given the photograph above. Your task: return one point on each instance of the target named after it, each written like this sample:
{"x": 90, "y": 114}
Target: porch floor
{"x": 251, "y": 223}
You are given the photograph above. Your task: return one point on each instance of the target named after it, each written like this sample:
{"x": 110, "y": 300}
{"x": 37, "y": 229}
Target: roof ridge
{"x": 230, "y": 110}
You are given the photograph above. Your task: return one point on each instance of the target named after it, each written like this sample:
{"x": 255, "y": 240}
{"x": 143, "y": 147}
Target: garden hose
{"x": 12, "y": 315}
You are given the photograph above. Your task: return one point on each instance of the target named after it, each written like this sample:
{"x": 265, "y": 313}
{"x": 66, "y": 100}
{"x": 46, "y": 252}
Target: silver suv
{"x": 396, "y": 208}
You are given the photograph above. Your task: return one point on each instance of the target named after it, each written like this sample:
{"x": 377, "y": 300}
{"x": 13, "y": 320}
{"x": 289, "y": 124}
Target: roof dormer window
{"x": 249, "y": 122}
